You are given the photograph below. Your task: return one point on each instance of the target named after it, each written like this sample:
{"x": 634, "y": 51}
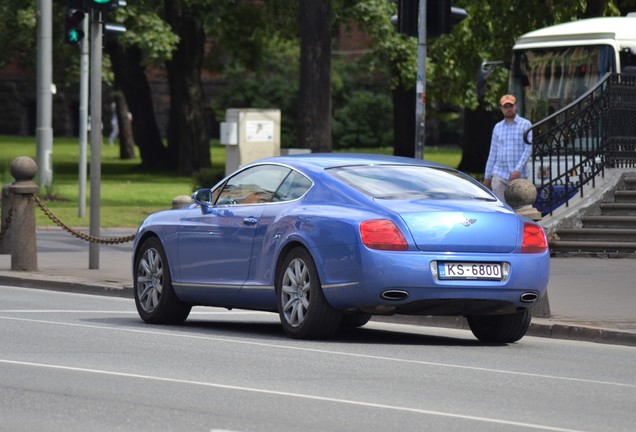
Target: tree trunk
{"x": 314, "y": 112}
{"x": 130, "y": 78}
{"x": 126, "y": 140}
{"x": 404, "y": 121}
{"x": 478, "y": 125}
{"x": 594, "y": 8}
{"x": 188, "y": 135}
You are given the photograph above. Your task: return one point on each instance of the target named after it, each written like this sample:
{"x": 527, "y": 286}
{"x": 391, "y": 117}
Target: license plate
{"x": 469, "y": 270}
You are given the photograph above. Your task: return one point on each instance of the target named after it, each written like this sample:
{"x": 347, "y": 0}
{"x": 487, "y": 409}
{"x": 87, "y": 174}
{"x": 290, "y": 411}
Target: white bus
{"x": 554, "y": 66}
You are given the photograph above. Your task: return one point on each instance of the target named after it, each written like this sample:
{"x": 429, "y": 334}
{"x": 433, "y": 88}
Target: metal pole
{"x": 420, "y": 102}
{"x": 44, "y": 131}
{"x": 83, "y": 120}
{"x": 96, "y": 134}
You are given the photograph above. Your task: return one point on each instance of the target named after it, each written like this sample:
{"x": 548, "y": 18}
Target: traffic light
{"x": 440, "y": 17}
{"x": 73, "y": 32}
{"x": 102, "y": 5}
{"x": 110, "y": 29}
{"x": 407, "y": 18}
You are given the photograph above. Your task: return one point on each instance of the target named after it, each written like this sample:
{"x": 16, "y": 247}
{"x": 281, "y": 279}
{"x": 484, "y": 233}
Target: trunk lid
{"x": 458, "y": 225}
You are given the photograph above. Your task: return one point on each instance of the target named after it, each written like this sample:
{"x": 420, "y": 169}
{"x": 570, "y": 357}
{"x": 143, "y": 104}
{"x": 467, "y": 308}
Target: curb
{"x": 70, "y": 286}
{"x": 582, "y": 333}
{"x": 540, "y": 327}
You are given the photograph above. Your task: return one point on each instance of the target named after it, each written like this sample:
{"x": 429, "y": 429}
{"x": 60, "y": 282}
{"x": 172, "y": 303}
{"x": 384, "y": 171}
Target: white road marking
{"x": 131, "y": 312}
{"x": 319, "y": 351}
{"x": 66, "y": 311}
{"x": 293, "y": 395}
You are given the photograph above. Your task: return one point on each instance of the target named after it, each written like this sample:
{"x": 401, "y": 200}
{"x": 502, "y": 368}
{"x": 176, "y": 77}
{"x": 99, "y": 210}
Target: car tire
{"x": 303, "y": 309}
{"x": 155, "y": 298}
{"x": 500, "y": 328}
{"x": 355, "y": 320}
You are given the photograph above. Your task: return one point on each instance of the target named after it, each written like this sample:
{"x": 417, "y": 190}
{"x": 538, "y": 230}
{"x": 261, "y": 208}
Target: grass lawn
{"x": 128, "y": 194}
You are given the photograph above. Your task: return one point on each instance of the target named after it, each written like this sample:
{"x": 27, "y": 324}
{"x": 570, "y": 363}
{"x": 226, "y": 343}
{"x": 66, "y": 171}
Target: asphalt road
{"x": 77, "y": 362}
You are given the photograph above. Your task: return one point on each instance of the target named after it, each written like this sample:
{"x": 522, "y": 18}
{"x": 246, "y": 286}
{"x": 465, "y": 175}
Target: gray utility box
{"x": 250, "y": 134}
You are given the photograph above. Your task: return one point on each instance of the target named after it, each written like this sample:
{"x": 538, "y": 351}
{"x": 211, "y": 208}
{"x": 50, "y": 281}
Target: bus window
{"x": 628, "y": 60}
{"x": 547, "y": 79}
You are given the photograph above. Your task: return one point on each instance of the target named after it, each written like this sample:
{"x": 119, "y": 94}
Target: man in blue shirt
{"x": 508, "y": 152}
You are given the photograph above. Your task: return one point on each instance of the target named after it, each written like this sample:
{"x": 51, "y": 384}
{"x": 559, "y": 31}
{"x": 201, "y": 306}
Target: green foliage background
{"x": 255, "y": 51}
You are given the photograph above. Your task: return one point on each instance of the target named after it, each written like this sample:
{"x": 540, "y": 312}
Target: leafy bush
{"x": 273, "y": 85}
{"x": 363, "y": 120}
{"x": 206, "y": 178}
{"x": 362, "y": 106}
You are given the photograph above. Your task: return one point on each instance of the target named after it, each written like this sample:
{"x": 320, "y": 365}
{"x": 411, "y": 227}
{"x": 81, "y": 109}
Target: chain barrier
{"x": 86, "y": 237}
{"x": 5, "y": 223}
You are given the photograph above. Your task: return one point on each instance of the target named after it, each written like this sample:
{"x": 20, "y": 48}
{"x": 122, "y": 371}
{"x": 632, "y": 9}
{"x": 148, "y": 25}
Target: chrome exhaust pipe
{"x": 394, "y": 295}
{"x": 529, "y": 297}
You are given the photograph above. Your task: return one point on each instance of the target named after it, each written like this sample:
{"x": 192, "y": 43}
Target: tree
{"x": 176, "y": 43}
{"x": 623, "y": 6}
{"x": 123, "y": 116}
{"x": 147, "y": 43}
{"x": 397, "y": 54}
{"x": 131, "y": 80}
{"x": 17, "y": 33}
{"x": 188, "y": 137}
{"x": 314, "y": 108}
{"x": 487, "y": 34}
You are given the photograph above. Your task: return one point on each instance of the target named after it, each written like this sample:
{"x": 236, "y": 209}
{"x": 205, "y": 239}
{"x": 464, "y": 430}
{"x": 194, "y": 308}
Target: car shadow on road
{"x": 388, "y": 337}
{"x": 271, "y": 331}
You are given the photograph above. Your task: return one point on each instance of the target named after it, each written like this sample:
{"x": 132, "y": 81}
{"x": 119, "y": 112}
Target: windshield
{"x": 411, "y": 182}
{"x": 547, "y": 79}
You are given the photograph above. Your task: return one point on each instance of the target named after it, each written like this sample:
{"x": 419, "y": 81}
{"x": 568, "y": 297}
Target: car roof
{"x": 321, "y": 161}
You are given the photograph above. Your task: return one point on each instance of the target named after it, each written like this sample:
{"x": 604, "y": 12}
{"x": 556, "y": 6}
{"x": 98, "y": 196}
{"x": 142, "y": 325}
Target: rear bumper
{"x": 418, "y": 292}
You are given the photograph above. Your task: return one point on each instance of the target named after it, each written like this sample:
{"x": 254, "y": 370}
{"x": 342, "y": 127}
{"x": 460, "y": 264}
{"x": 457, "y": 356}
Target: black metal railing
{"x": 574, "y": 145}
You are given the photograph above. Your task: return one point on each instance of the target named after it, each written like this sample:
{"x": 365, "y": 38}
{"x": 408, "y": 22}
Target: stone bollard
{"x": 521, "y": 195}
{"x": 7, "y": 199}
{"x": 23, "y": 240}
{"x": 181, "y": 201}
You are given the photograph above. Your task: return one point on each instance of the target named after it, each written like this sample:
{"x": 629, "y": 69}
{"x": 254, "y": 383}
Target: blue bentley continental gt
{"x": 328, "y": 240}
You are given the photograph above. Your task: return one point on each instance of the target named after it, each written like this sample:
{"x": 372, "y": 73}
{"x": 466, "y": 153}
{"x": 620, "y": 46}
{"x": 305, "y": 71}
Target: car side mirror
{"x": 202, "y": 197}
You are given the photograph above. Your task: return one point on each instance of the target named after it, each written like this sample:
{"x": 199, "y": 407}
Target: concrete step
{"x": 630, "y": 182}
{"x": 612, "y": 234}
{"x": 618, "y": 209}
{"x": 625, "y": 196}
{"x": 609, "y": 222}
{"x": 617, "y": 249}
{"x": 597, "y": 235}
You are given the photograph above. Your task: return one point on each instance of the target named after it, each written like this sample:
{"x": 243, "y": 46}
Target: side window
{"x": 628, "y": 60}
{"x": 294, "y": 186}
{"x": 253, "y": 185}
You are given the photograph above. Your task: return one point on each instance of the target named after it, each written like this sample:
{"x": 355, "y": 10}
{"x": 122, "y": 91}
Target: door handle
{"x": 250, "y": 220}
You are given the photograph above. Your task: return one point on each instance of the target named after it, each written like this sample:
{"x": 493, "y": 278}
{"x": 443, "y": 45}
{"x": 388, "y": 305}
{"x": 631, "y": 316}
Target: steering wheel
{"x": 226, "y": 201}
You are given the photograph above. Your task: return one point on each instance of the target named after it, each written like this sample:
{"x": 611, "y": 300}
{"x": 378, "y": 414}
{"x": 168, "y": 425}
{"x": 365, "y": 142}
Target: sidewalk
{"x": 591, "y": 299}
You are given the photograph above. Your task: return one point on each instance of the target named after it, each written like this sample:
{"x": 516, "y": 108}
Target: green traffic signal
{"x": 74, "y": 36}
{"x": 73, "y": 33}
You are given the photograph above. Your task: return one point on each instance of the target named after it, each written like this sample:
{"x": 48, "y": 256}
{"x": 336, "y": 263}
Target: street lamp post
{"x": 96, "y": 133}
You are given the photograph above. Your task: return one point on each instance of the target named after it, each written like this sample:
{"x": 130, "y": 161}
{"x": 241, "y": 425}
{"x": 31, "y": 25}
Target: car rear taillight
{"x": 534, "y": 240}
{"x": 382, "y": 234}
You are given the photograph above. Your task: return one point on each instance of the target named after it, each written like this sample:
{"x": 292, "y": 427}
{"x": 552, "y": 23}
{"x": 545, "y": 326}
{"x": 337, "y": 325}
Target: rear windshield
{"x": 400, "y": 182}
